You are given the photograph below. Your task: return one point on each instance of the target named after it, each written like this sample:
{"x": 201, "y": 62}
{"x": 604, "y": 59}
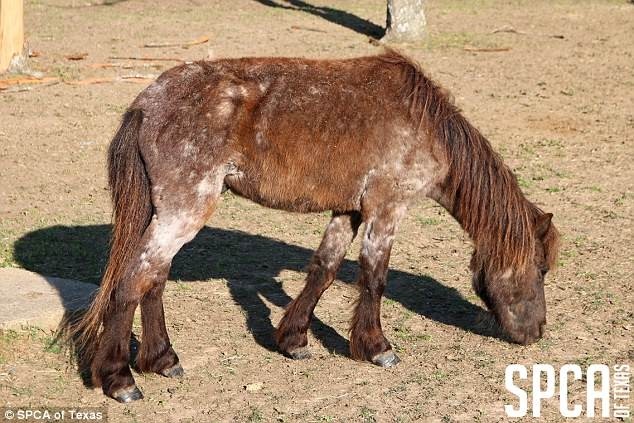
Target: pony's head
{"x": 516, "y": 297}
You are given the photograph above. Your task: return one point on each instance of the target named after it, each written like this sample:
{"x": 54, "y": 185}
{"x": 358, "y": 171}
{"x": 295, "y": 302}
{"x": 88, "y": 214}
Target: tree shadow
{"x": 250, "y": 264}
{"x": 336, "y": 16}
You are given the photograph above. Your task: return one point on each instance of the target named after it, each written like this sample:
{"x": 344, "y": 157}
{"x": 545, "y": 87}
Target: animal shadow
{"x": 250, "y": 264}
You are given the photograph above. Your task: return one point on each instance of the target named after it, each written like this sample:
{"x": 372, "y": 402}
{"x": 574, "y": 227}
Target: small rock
{"x": 254, "y": 387}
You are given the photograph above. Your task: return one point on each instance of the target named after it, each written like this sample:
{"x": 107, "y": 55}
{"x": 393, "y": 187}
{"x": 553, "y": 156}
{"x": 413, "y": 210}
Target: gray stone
{"x": 30, "y": 299}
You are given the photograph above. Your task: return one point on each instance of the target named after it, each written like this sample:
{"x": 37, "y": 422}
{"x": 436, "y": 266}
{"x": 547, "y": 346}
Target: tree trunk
{"x": 12, "y": 55}
{"x": 405, "y": 20}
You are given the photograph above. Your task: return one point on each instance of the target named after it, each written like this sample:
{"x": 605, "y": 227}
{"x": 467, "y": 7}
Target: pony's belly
{"x": 302, "y": 196}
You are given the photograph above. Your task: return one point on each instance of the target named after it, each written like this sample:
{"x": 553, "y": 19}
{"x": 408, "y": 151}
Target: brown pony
{"x": 362, "y": 137}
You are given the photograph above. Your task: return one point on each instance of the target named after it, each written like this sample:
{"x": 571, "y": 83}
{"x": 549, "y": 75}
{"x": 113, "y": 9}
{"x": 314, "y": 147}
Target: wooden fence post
{"x": 11, "y": 31}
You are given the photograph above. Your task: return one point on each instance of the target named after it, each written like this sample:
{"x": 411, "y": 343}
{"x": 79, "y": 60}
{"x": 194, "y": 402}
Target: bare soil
{"x": 550, "y": 83}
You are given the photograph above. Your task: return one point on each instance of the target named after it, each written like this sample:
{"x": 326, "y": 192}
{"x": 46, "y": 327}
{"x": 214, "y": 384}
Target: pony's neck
{"x": 479, "y": 190}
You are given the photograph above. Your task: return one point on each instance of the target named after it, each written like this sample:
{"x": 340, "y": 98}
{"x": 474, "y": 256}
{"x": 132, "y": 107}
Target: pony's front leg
{"x": 367, "y": 341}
{"x": 291, "y": 335}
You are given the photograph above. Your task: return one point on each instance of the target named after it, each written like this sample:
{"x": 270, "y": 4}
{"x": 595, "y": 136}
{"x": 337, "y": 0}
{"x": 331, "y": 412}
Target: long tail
{"x": 132, "y": 211}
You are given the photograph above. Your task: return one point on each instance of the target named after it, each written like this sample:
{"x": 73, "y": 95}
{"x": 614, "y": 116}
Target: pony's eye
{"x": 543, "y": 271}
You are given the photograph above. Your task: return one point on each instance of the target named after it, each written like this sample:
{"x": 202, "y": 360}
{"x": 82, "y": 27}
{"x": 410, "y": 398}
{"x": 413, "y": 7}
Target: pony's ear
{"x": 543, "y": 224}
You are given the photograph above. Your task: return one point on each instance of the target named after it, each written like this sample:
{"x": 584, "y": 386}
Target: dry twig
{"x": 199, "y": 40}
{"x": 76, "y": 56}
{"x": 148, "y": 59}
{"x": 486, "y": 49}
{"x": 27, "y": 80}
{"x": 307, "y": 28}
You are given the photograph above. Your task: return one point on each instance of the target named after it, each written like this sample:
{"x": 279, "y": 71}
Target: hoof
{"x": 301, "y": 353}
{"x": 129, "y": 394}
{"x": 386, "y": 359}
{"x": 176, "y": 371}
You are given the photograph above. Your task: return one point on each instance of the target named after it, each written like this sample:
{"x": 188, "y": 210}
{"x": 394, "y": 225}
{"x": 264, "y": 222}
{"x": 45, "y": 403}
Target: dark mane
{"x": 480, "y": 191}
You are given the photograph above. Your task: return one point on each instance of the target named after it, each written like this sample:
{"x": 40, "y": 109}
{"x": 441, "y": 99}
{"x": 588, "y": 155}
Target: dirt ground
{"x": 552, "y": 90}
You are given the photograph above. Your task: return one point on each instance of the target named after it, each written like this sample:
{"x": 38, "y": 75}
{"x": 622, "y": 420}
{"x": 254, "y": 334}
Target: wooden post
{"x": 11, "y": 31}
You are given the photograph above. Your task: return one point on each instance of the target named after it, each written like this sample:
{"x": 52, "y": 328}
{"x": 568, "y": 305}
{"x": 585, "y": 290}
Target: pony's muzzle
{"x": 523, "y": 325}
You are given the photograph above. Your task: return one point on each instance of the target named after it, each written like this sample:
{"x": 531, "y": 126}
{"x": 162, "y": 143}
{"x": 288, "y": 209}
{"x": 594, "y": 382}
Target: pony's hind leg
{"x": 291, "y": 333}
{"x": 174, "y": 224}
{"x": 367, "y": 341}
{"x": 168, "y": 233}
{"x": 172, "y": 227}
{"x": 148, "y": 270}
{"x": 156, "y": 353}
{"x": 109, "y": 367}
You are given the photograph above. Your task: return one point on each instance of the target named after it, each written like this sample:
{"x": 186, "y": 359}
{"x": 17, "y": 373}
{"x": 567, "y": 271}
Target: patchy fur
{"x": 361, "y": 137}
